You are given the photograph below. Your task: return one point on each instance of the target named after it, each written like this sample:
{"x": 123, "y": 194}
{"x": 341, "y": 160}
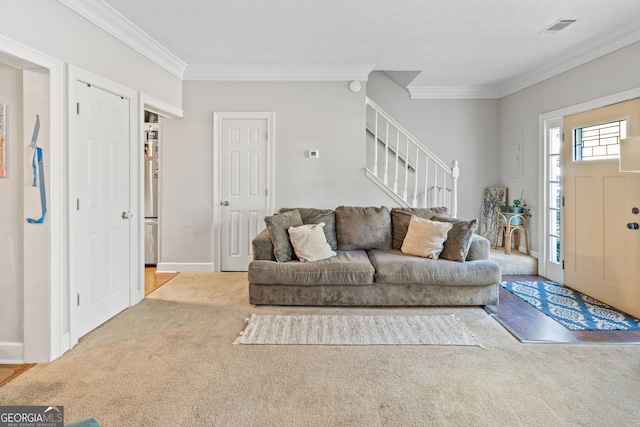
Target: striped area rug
{"x": 356, "y": 330}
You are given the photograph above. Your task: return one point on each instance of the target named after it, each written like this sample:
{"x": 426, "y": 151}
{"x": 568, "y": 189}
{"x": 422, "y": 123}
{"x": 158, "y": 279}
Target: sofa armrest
{"x": 480, "y": 248}
{"x": 262, "y": 246}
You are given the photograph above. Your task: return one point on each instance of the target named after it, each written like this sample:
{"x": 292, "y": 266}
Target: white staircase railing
{"x": 404, "y": 168}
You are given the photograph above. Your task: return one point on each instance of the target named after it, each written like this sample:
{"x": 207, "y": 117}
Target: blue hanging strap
{"x": 38, "y": 172}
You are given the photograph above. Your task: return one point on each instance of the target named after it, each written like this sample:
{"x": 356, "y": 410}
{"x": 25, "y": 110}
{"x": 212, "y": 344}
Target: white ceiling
{"x": 462, "y": 48}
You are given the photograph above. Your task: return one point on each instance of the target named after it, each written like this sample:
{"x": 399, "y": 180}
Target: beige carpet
{"x": 170, "y": 361}
{"x": 514, "y": 263}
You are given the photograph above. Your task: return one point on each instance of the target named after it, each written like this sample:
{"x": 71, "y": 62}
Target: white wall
{"x": 455, "y": 129}
{"x": 52, "y": 28}
{"x": 11, "y": 289}
{"x": 613, "y": 73}
{"x": 309, "y": 115}
{"x": 51, "y": 32}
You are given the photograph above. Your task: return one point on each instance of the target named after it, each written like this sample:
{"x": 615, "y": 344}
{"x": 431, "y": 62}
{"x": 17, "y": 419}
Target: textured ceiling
{"x": 461, "y": 43}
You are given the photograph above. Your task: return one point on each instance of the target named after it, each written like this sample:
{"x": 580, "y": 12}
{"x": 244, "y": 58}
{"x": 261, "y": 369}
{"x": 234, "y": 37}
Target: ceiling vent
{"x": 560, "y": 24}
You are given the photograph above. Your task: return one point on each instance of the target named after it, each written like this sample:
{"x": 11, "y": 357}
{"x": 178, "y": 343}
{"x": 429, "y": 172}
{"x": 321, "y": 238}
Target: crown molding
{"x": 454, "y": 92}
{"x": 108, "y": 19}
{"x": 590, "y": 51}
{"x": 278, "y": 72}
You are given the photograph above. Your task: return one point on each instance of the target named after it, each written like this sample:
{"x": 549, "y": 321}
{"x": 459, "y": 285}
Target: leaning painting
{"x": 492, "y": 199}
{"x": 3, "y": 140}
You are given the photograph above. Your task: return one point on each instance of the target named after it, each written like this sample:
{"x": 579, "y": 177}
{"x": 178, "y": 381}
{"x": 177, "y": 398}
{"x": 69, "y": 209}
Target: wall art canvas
{"x": 3, "y": 140}
{"x": 492, "y": 199}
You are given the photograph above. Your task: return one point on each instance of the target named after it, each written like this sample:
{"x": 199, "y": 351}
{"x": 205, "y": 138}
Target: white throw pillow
{"x": 309, "y": 242}
{"x": 425, "y": 238}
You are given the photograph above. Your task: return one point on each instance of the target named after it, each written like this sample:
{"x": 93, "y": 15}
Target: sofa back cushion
{"x": 316, "y": 216}
{"x": 400, "y": 218}
{"x": 458, "y": 242}
{"x": 278, "y": 226}
{"x": 363, "y": 228}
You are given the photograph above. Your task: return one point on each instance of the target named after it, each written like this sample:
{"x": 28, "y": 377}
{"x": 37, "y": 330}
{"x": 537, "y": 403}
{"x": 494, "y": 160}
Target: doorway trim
{"x": 136, "y": 280}
{"x": 169, "y": 111}
{"x": 218, "y": 117}
{"x": 543, "y": 120}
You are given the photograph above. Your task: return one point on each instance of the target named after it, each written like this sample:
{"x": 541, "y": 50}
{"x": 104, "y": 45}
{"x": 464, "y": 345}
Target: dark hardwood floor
{"x": 530, "y": 325}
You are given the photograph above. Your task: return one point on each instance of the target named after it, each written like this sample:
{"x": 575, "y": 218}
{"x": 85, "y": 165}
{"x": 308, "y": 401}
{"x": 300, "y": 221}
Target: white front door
{"x": 101, "y": 160}
{"x": 601, "y": 253}
{"x": 244, "y": 187}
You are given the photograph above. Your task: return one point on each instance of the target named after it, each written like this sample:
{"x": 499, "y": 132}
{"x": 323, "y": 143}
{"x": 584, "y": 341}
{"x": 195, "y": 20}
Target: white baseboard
{"x": 11, "y": 353}
{"x": 531, "y": 253}
{"x": 192, "y": 267}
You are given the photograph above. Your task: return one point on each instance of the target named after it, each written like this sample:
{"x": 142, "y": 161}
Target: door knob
{"x": 126, "y": 215}
{"x": 633, "y": 226}
{"x": 225, "y": 203}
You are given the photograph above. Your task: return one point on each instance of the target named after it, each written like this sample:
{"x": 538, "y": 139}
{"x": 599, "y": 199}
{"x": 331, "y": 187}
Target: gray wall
{"x": 54, "y": 29}
{"x": 613, "y": 73}
{"x": 11, "y": 263}
{"x": 49, "y": 28}
{"x": 455, "y": 129}
{"x": 309, "y": 115}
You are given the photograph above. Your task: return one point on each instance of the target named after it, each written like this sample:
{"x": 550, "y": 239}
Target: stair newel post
{"x": 385, "y": 178}
{"x": 395, "y": 181}
{"x": 375, "y": 145}
{"x": 455, "y": 173}
{"x": 414, "y": 201}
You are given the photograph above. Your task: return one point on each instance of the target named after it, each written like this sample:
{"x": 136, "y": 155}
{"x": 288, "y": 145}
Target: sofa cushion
{"x": 392, "y": 266}
{"x": 480, "y": 248}
{"x": 347, "y": 268}
{"x": 309, "y": 242}
{"x": 316, "y": 216}
{"x": 425, "y": 238}
{"x": 363, "y": 227}
{"x": 278, "y": 226}
{"x": 458, "y": 242}
{"x": 400, "y": 218}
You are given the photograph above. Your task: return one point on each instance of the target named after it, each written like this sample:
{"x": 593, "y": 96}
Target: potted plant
{"x": 519, "y": 206}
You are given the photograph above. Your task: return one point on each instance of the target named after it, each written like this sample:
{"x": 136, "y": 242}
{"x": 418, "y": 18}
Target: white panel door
{"x": 601, "y": 253}
{"x": 103, "y": 227}
{"x": 243, "y": 192}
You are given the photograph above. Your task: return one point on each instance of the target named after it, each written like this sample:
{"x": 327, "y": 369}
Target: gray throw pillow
{"x": 278, "y": 226}
{"x": 363, "y": 228}
{"x": 400, "y": 218}
{"x": 316, "y": 216}
{"x": 458, "y": 242}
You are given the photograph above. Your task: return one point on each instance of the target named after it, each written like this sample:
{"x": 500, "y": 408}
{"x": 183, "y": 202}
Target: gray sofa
{"x": 369, "y": 269}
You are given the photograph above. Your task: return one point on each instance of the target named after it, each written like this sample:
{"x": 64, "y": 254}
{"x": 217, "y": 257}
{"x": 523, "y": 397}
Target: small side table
{"x": 508, "y": 223}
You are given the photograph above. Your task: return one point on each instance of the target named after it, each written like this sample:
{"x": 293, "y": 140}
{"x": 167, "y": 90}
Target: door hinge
{"x": 562, "y": 200}
{"x": 78, "y": 204}
{"x": 78, "y": 108}
{"x": 562, "y": 136}
{"x": 78, "y": 300}
{"x": 563, "y": 264}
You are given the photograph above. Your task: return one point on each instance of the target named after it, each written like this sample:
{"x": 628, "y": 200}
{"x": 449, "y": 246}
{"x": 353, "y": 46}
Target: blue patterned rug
{"x": 570, "y": 308}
